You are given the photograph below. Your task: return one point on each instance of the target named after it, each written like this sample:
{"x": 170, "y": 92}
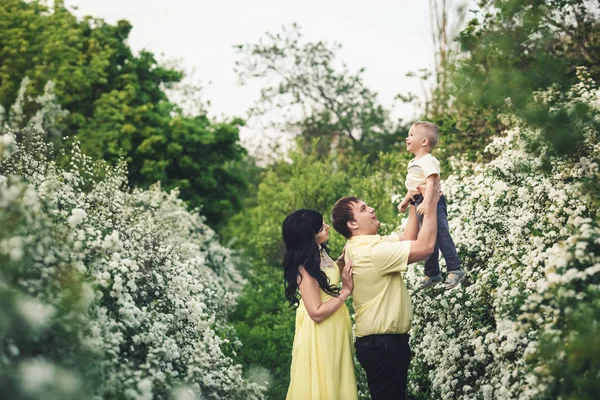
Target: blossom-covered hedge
{"x": 525, "y": 324}
{"x": 107, "y": 292}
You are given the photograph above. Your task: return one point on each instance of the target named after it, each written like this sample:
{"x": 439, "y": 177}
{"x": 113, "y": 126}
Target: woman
{"x": 322, "y": 362}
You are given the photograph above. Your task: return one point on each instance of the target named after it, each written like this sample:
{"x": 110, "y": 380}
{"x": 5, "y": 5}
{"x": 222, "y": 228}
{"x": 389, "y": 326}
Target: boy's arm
{"x": 405, "y": 202}
{"x": 432, "y": 181}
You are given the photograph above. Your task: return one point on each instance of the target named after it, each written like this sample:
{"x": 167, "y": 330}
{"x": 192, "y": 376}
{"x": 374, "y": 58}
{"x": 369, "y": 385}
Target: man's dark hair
{"x": 342, "y": 214}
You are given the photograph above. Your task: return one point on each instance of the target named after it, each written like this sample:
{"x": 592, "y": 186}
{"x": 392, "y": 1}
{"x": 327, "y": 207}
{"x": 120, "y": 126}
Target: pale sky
{"x": 388, "y": 37}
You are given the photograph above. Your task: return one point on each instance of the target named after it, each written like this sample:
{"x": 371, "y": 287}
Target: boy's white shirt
{"x": 419, "y": 170}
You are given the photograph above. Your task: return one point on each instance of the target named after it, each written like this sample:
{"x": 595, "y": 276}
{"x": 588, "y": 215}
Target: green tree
{"x": 317, "y": 99}
{"x": 204, "y": 160}
{"x": 516, "y": 48}
{"x": 115, "y": 104}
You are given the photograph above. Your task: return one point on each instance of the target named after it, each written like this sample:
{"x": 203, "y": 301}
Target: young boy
{"x": 423, "y": 171}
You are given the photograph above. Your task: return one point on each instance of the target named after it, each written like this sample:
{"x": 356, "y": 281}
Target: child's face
{"x": 415, "y": 139}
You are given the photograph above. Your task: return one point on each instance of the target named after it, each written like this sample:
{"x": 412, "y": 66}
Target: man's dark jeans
{"x": 444, "y": 241}
{"x": 385, "y": 359}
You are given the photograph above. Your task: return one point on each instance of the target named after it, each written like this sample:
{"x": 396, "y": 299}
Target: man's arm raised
{"x": 425, "y": 243}
{"x": 411, "y": 231}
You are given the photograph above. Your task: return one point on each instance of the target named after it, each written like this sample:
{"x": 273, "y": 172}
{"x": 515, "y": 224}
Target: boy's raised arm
{"x": 405, "y": 202}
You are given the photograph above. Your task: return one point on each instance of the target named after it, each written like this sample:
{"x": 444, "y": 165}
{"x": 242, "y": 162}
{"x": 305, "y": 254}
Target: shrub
{"x": 123, "y": 294}
{"x": 524, "y": 324}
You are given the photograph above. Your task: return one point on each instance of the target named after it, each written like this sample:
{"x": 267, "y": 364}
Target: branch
{"x": 333, "y": 109}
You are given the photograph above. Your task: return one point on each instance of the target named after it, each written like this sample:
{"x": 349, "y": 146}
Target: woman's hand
{"x": 343, "y": 255}
{"x": 340, "y": 262}
{"x": 347, "y": 280}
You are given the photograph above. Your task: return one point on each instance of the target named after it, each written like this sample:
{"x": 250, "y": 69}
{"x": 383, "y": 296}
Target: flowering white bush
{"x": 109, "y": 293}
{"x": 526, "y": 229}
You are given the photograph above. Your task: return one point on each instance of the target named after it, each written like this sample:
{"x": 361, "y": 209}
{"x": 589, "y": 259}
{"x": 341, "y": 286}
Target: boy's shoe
{"x": 454, "y": 278}
{"x": 430, "y": 281}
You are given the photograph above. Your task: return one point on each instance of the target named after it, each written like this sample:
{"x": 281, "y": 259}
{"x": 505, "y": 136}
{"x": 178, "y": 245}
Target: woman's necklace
{"x": 326, "y": 261}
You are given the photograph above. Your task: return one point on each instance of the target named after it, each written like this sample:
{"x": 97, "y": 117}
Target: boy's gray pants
{"x": 444, "y": 241}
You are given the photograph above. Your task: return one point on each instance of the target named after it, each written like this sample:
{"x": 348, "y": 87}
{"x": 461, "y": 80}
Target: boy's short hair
{"x": 431, "y": 131}
{"x": 342, "y": 213}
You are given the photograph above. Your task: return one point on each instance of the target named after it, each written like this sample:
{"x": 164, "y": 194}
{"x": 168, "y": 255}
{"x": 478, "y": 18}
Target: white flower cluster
{"x": 526, "y": 234}
{"x": 136, "y": 281}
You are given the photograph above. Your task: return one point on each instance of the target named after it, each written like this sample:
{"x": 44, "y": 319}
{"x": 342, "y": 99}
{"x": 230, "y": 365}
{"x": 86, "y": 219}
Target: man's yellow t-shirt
{"x": 380, "y": 299}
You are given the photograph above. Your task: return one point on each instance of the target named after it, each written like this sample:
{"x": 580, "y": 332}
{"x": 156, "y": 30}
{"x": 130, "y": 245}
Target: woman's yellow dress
{"x": 322, "y": 361}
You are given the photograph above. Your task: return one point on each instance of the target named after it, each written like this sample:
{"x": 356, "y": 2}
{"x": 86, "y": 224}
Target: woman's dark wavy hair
{"x": 299, "y": 230}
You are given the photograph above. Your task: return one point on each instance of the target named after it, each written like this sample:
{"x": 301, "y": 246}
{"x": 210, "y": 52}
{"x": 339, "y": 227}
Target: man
{"x": 381, "y": 301}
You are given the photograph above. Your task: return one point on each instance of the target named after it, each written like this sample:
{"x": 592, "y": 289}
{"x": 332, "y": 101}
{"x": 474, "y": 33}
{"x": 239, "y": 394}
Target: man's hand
{"x": 404, "y": 205}
{"x": 422, "y": 209}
